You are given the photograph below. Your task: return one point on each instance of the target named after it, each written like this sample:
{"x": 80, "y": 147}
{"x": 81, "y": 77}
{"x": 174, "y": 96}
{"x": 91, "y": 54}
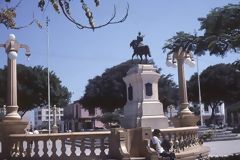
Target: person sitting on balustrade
{"x": 162, "y": 148}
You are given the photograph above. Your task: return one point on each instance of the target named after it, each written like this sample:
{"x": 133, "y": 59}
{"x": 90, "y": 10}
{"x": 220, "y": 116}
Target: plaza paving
{"x": 221, "y": 148}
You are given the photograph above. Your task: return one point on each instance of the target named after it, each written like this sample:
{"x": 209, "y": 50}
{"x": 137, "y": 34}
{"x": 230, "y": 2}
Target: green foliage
{"x": 108, "y": 91}
{"x": 219, "y": 83}
{"x": 207, "y": 135}
{"x": 110, "y": 119}
{"x": 221, "y": 33}
{"x": 181, "y": 39}
{"x": 167, "y": 91}
{"x": 221, "y": 28}
{"x": 33, "y": 88}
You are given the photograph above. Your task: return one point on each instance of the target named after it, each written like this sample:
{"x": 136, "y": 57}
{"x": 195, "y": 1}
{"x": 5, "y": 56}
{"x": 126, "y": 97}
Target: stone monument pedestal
{"x": 143, "y": 108}
{"x": 8, "y": 127}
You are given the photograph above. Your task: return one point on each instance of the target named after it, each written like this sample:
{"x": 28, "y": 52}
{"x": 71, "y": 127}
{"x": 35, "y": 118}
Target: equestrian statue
{"x": 139, "y": 49}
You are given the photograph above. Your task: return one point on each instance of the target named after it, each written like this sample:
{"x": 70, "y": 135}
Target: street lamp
{"x": 54, "y": 127}
{"x": 11, "y": 48}
{"x": 177, "y": 59}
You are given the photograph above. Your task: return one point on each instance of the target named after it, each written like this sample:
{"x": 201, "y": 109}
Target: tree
{"x": 219, "y": 83}
{"x": 111, "y": 119}
{"x": 108, "y": 91}
{"x": 8, "y": 14}
{"x": 33, "y": 88}
{"x": 221, "y": 29}
{"x": 167, "y": 91}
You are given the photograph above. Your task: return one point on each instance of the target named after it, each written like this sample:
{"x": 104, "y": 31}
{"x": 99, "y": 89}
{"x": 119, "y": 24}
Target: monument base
{"x": 186, "y": 120}
{"x": 8, "y": 127}
{"x": 155, "y": 122}
{"x": 143, "y": 108}
{"x": 12, "y": 113}
{"x": 54, "y": 129}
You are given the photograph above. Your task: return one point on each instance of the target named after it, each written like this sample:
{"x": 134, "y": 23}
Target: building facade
{"x": 77, "y": 118}
{"x": 219, "y": 113}
{"x": 233, "y": 115}
{"x": 41, "y": 118}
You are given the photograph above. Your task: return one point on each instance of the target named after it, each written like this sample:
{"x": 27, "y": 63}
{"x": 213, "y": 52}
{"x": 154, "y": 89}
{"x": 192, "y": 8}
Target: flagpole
{"x": 48, "y": 78}
{"x": 199, "y": 94}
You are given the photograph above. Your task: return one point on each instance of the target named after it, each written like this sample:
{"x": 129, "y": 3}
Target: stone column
{"x": 12, "y": 123}
{"x": 182, "y": 88}
{"x": 185, "y": 117}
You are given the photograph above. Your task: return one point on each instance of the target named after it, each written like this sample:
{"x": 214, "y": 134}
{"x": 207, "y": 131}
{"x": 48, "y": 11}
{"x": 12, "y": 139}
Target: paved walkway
{"x": 221, "y": 148}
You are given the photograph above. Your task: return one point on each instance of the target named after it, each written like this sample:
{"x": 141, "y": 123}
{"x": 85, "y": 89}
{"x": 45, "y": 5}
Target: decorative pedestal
{"x": 54, "y": 129}
{"x": 8, "y": 127}
{"x": 143, "y": 108}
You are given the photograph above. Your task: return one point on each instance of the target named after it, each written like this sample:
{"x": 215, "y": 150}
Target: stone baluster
{"x": 45, "y": 149}
{"x": 186, "y": 139}
{"x": 189, "y": 138}
{"x": 177, "y": 148}
{"x": 170, "y": 136}
{"x": 54, "y": 148}
{"x": 36, "y": 149}
{"x": 21, "y": 149}
{"x": 15, "y": 150}
{"x": 63, "y": 148}
{"x": 181, "y": 142}
{"x": 92, "y": 147}
{"x": 29, "y": 148}
{"x": 82, "y": 149}
{"x": 73, "y": 147}
{"x": 193, "y": 139}
{"x": 102, "y": 148}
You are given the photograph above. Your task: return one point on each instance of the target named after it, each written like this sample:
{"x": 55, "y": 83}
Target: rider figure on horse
{"x": 140, "y": 39}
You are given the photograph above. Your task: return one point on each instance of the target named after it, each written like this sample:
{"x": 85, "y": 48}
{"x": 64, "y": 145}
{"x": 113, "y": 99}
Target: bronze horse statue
{"x": 140, "y": 50}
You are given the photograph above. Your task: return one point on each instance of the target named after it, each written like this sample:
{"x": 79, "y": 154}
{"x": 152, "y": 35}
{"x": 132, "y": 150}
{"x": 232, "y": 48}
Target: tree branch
{"x": 65, "y": 10}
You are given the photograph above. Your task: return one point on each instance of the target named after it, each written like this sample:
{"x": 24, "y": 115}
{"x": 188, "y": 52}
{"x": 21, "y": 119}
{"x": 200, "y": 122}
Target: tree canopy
{"x": 108, "y": 91}
{"x": 222, "y": 29}
{"x": 219, "y": 83}
{"x": 221, "y": 33}
{"x": 8, "y": 14}
{"x": 32, "y": 88}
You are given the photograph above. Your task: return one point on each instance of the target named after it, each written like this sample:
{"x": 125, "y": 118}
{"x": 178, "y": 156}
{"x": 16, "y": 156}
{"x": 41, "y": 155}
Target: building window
{"x": 217, "y": 110}
{"x": 148, "y": 87}
{"x": 130, "y": 92}
{"x": 39, "y": 112}
{"x": 206, "y": 108}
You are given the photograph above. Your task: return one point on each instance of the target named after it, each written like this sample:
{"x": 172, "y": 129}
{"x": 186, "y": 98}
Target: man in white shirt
{"x": 156, "y": 142}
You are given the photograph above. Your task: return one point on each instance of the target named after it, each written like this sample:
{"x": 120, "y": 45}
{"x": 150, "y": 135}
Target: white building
{"x": 219, "y": 113}
{"x": 41, "y": 118}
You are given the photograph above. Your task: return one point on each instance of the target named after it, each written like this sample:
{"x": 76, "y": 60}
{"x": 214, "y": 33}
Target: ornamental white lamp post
{"x": 11, "y": 48}
{"x": 54, "y": 127}
{"x": 12, "y": 122}
{"x": 177, "y": 59}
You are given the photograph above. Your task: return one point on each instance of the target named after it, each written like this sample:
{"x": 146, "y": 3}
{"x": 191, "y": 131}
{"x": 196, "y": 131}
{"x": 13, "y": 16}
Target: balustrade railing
{"x": 79, "y": 145}
{"x": 118, "y": 144}
{"x": 181, "y": 138}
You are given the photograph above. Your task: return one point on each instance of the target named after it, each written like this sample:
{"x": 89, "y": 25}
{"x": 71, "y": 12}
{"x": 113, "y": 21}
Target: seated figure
{"x": 162, "y": 148}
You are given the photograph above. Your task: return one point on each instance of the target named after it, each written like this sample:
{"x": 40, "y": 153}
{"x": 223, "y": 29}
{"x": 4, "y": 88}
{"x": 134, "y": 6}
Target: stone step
{"x": 137, "y": 158}
{"x": 224, "y": 135}
{"x": 223, "y": 138}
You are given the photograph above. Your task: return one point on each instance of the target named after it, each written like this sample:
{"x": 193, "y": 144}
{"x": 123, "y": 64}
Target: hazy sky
{"x": 79, "y": 55}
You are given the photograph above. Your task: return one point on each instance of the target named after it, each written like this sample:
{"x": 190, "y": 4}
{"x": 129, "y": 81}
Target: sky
{"x": 79, "y": 55}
